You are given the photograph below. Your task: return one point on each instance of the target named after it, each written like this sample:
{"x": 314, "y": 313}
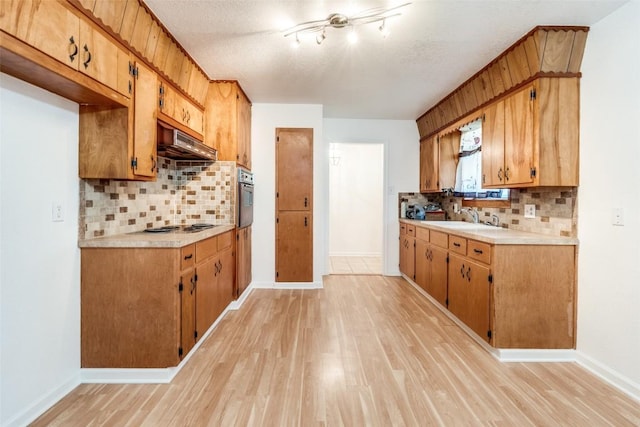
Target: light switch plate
{"x": 529, "y": 211}
{"x": 617, "y": 216}
{"x": 57, "y": 212}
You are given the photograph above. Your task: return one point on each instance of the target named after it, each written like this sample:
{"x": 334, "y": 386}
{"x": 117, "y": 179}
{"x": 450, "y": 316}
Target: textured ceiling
{"x": 433, "y": 47}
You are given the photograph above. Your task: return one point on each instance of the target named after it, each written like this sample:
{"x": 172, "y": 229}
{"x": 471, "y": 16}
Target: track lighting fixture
{"x": 339, "y": 20}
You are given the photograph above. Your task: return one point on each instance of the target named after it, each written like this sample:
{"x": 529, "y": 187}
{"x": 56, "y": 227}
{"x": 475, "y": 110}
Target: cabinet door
{"x": 221, "y": 119}
{"x": 408, "y": 257}
{"x": 244, "y": 130}
{"x": 423, "y": 264}
{"x": 493, "y": 146}
{"x": 47, "y": 25}
{"x": 102, "y": 59}
{"x": 294, "y": 165}
{"x": 458, "y": 296}
{"x": 226, "y": 275}
{"x": 429, "y": 165}
{"x": 243, "y": 254}
{"x": 437, "y": 286}
{"x": 469, "y": 293}
{"x": 206, "y": 295}
{"x": 145, "y": 115}
{"x": 294, "y": 251}
{"x": 519, "y": 143}
{"x": 167, "y": 99}
{"x": 448, "y": 151}
{"x": 478, "y": 299}
{"x": 188, "y": 312}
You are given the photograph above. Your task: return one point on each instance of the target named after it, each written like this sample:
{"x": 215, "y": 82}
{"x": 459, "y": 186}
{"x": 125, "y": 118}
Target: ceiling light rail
{"x": 339, "y": 20}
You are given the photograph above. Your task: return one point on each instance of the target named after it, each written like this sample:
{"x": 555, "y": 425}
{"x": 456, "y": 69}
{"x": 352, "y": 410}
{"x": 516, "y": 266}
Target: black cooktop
{"x": 186, "y": 228}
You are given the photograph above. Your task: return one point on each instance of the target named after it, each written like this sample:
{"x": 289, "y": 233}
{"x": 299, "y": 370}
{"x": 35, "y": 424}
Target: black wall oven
{"x": 245, "y": 198}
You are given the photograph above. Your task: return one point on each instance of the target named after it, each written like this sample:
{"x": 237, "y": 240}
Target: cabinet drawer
{"x": 411, "y": 230}
{"x": 422, "y": 233}
{"x": 458, "y": 244}
{"x": 479, "y": 251}
{"x": 439, "y": 239}
{"x": 206, "y": 248}
{"x": 403, "y": 229}
{"x": 187, "y": 257}
{"x": 224, "y": 240}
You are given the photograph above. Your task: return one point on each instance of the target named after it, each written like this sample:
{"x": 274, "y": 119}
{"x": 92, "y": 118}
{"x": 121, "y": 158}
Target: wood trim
{"x": 237, "y": 84}
{"x": 528, "y": 58}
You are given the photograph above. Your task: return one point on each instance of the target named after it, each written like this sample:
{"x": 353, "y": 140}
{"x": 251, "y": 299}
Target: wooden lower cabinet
{"x": 294, "y": 246}
{"x": 510, "y": 295}
{"x": 408, "y": 250}
{"x": 147, "y": 307}
{"x": 468, "y": 294}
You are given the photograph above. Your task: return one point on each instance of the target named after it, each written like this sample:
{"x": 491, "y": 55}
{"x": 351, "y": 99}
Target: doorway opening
{"x": 356, "y": 205}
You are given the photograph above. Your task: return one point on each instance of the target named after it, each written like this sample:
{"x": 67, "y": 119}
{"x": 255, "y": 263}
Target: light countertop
{"x": 141, "y": 239}
{"x": 490, "y": 234}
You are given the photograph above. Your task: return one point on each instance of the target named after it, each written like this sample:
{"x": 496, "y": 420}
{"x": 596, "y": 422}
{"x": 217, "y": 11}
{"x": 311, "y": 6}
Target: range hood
{"x": 175, "y": 144}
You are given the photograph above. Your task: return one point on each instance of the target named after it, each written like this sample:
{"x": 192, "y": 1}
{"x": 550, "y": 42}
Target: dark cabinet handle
{"x": 506, "y": 174}
{"x": 305, "y": 221}
{"x": 73, "y": 54}
{"x": 462, "y": 271}
{"x": 500, "y": 174}
{"x": 86, "y": 63}
{"x": 469, "y": 274}
{"x": 306, "y": 201}
{"x": 188, "y": 256}
{"x": 153, "y": 164}
{"x": 193, "y": 283}
{"x": 478, "y": 251}
{"x": 457, "y": 245}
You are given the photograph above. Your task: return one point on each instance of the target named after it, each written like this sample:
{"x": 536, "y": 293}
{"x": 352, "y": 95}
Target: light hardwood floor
{"x": 365, "y": 350}
{"x": 356, "y": 265}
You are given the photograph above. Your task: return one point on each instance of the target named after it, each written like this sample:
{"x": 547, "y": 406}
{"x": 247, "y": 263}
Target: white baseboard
{"x": 627, "y": 386}
{"x": 153, "y": 375}
{"x": 287, "y": 285}
{"x": 44, "y": 403}
{"x": 356, "y": 254}
{"x": 535, "y": 355}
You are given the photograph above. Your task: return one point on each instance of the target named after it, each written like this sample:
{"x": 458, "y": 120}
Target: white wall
{"x": 356, "y": 190}
{"x": 265, "y": 119}
{"x": 39, "y": 259}
{"x": 401, "y": 169}
{"x": 609, "y": 259}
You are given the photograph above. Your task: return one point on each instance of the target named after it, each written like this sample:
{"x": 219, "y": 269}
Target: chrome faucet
{"x": 472, "y": 213}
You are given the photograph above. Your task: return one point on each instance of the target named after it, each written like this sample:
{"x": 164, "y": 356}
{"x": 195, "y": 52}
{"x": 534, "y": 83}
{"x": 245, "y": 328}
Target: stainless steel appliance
{"x": 175, "y": 144}
{"x": 245, "y": 198}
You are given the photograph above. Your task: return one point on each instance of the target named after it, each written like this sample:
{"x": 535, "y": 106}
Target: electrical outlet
{"x": 617, "y": 216}
{"x": 455, "y": 208}
{"x": 57, "y": 212}
{"x": 529, "y": 211}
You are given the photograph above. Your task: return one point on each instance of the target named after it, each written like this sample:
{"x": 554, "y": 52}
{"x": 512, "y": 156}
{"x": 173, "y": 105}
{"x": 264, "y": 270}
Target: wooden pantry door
{"x": 294, "y": 205}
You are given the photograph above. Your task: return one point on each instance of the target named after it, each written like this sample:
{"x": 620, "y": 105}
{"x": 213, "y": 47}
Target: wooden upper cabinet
{"x": 493, "y": 145}
{"x": 518, "y": 137}
{"x": 531, "y": 137}
{"x": 228, "y": 122}
{"x": 448, "y": 151}
{"x": 176, "y": 109}
{"x": 49, "y": 26}
{"x": 429, "y": 165}
{"x": 144, "y": 121}
{"x": 120, "y": 143}
{"x": 294, "y": 161}
{"x": 56, "y": 30}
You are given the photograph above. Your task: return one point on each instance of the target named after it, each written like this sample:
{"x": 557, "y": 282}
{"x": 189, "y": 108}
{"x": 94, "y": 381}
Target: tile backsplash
{"x": 556, "y": 209}
{"x": 185, "y": 192}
